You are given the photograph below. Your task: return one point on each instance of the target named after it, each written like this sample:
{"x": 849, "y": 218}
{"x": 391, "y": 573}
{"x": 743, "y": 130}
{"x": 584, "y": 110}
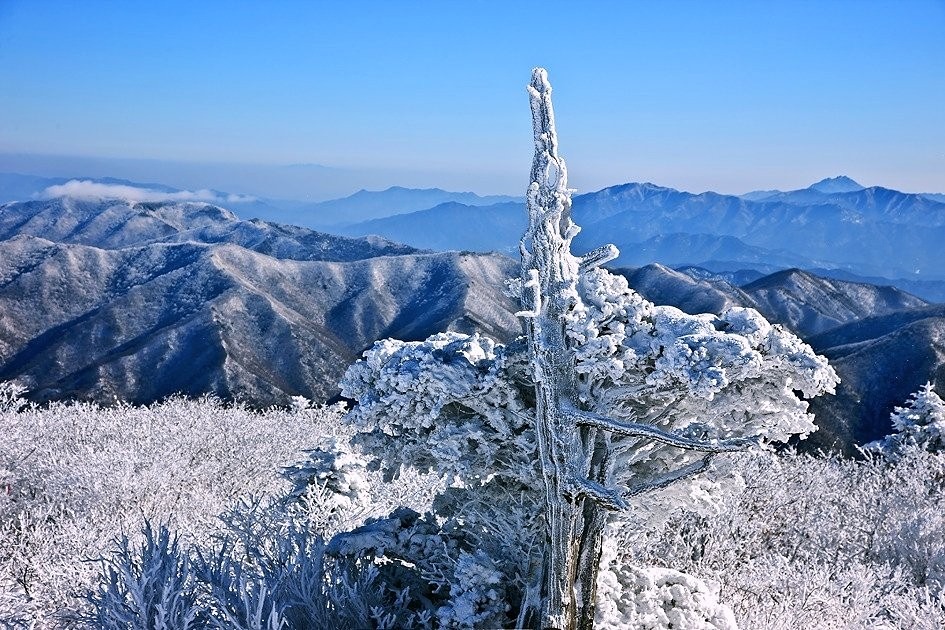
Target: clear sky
{"x": 729, "y": 96}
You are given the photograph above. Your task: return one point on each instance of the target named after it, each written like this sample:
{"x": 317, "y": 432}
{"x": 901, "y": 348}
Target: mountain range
{"x": 366, "y": 205}
{"x": 363, "y": 205}
{"x": 834, "y": 225}
{"x": 105, "y": 298}
{"x": 136, "y": 301}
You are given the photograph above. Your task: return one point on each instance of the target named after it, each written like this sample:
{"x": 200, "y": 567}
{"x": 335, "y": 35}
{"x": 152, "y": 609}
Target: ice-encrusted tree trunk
{"x": 549, "y": 275}
{"x": 573, "y": 443}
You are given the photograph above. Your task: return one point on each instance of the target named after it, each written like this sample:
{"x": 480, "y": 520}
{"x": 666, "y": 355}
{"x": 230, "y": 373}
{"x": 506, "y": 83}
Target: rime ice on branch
{"x": 608, "y": 403}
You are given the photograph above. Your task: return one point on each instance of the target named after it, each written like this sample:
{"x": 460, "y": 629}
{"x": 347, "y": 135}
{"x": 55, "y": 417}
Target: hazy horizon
{"x": 297, "y": 182}
{"x": 696, "y": 96}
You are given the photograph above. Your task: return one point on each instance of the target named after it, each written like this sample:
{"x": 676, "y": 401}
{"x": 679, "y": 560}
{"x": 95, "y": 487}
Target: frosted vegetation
{"x": 794, "y": 542}
{"x": 75, "y": 480}
{"x": 920, "y": 423}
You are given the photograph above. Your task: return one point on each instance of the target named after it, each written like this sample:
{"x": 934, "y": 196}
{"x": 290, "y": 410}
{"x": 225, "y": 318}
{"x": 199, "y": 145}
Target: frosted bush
{"x": 331, "y": 484}
{"x": 11, "y": 396}
{"x": 814, "y": 542}
{"x": 149, "y": 588}
{"x": 279, "y": 579}
{"x": 73, "y": 477}
{"x": 655, "y": 598}
{"x": 920, "y": 424}
{"x": 478, "y": 596}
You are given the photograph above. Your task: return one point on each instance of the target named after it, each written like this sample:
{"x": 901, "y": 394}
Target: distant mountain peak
{"x": 840, "y": 184}
{"x": 366, "y": 205}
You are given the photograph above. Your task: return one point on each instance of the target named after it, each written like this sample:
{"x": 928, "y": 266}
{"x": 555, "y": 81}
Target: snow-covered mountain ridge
{"x": 803, "y": 302}
{"x": 117, "y": 223}
{"x": 834, "y": 225}
{"x": 111, "y": 299}
{"x": 136, "y": 300}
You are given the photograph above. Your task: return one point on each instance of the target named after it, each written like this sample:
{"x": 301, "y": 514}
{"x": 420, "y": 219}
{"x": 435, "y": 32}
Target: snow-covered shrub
{"x": 331, "y": 485}
{"x": 300, "y": 583}
{"x": 73, "y": 477}
{"x": 11, "y": 396}
{"x": 814, "y": 542}
{"x": 477, "y": 596}
{"x": 279, "y": 579}
{"x": 148, "y": 588}
{"x": 438, "y": 569}
{"x": 655, "y": 598}
{"x": 300, "y": 404}
{"x": 920, "y": 424}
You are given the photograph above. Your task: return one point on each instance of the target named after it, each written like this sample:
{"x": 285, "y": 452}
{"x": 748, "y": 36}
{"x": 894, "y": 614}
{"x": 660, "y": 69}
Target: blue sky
{"x": 729, "y": 96}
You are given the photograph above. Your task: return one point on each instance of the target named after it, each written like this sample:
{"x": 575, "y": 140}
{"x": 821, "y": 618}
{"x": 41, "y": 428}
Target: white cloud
{"x": 87, "y": 189}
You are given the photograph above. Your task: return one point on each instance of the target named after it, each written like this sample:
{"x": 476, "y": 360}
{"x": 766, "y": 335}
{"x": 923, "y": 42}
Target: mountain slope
{"x": 877, "y": 374}
{"x": 869, "y": 328}
{"x": 685, "y": 249}
{"x": 881, "y": 360}
{"x": 662, "y": 285}
{"x": 452, "y": 226}
{"x": 810, "y": 304}
{"x": 802, "y": 302}
{"x": 141, "y": 300}
{"x": 117, "y": 223}
{"x": 141, "y": 323}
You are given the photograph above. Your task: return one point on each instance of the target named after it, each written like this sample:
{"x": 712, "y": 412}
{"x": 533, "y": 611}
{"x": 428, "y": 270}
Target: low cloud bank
{"x": 87, "y": 189}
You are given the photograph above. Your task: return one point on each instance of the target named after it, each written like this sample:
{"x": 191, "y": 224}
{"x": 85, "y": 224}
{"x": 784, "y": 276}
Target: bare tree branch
{"x": 672, "y": 477}
{"x": 598, "y": 257}
{"x": 633, "y": 429}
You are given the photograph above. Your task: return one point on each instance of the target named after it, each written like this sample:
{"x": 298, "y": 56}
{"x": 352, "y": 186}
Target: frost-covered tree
{"x": 605, "y": 399}
{"x": 919, "y": 424}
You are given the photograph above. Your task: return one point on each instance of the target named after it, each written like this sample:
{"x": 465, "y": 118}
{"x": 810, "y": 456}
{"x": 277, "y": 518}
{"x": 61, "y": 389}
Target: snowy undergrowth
{"x": 813, "y": 542}
{"x": 73, "y": 478}
{"x": 804, "y": 542}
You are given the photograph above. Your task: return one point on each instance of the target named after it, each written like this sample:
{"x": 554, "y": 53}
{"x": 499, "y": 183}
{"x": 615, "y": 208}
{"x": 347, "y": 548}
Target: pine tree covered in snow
{"x": 608, "y": 403}
{"x": 919, "y": 424}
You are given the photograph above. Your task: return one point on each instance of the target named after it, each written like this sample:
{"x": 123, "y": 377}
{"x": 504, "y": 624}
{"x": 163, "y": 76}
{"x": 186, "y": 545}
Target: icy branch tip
{"x": 543, "y": 126}
{"x": 540, "y": 80}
